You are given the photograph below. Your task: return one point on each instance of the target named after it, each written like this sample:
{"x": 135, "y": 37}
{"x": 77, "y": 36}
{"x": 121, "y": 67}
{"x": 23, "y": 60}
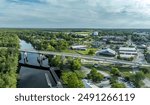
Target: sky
{"x": 75, "y": 13}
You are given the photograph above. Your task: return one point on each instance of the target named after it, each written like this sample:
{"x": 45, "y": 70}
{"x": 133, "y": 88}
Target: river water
{"x": 29, "y": 77}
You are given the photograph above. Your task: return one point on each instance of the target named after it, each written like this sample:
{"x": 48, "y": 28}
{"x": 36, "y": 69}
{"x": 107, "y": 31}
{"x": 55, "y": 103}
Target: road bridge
{"x": 87, "y": 57}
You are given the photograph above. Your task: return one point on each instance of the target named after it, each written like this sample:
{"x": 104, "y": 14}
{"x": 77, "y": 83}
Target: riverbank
{"x": 30, "y": 77}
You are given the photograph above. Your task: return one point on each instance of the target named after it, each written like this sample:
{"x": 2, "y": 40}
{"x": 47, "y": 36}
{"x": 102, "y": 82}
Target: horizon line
{"x": 64, "y": 28}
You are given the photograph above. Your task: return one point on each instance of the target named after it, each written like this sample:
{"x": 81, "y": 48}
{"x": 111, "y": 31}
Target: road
{"x": 146, "y": 81}
{"x": 140, "y": 57}
{"x": 96, "y": 58}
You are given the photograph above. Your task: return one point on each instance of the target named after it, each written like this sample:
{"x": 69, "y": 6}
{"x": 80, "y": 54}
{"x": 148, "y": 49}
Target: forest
{"x": 9, "y": 45}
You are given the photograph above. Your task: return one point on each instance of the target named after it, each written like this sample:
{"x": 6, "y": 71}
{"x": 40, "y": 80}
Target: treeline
{"x": 9, "y": 45}
{"x": 49, "y": 41}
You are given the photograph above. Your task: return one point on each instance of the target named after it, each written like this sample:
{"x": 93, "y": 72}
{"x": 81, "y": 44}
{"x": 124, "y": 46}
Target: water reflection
{"x": 29, "y": 77}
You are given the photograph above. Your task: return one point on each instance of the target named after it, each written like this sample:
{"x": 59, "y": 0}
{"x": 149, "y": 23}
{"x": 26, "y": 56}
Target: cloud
{"x": 75, "y": 13}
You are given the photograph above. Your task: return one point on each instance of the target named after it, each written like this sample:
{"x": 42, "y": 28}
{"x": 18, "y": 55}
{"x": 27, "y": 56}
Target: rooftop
{"x": 127, "y": 48}
{"x": 126, "y": 56}
{"x": 79, "y": 46}
{"x": 107, "y": 50}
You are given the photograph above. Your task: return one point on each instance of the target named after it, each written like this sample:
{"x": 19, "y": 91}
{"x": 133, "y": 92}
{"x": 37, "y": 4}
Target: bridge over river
{"x": 87, "y": 57}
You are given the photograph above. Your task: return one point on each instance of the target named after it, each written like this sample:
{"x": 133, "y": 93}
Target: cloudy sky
{"x": 75, "y": 13}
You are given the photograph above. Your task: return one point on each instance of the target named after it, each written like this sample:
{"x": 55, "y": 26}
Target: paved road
{"x": 104, "y": 73}
{"x": 147, "y": 82}
{"x": 140, "y": 57}
{"x": 85, "y": 70}
{"x": 97, "y": 58}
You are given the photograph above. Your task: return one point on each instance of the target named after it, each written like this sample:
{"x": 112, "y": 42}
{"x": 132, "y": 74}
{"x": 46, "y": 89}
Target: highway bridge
{"x": 87, "y": 57}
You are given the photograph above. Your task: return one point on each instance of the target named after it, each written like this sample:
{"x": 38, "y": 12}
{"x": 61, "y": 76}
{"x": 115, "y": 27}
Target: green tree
{"x": 136, "y": 78}
{"x": 9, "y": 43}
{"x": 75, "y": 64}
{"x": 115, "y": 72}
{"x": 50, "y": 48}
{"x": 53, "y": 42}
{"x": 62, "y": 45}
{"x": 79, "y": 74}
{"x": 118, "y": 85}
{"x": 113, "y": 80}
{"x": 64, "y": 77}
{"x": 74, "y": 82}
{"x": 71, "y": 80}
{"x": 91, "y": 52}
{"x": 56, "y": 61}
{"x": 146, "y": 70}
{"x": 95, "y": 76}
{"x": 139, "y": 76}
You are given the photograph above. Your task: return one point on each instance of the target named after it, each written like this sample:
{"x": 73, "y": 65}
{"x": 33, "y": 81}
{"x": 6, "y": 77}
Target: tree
{"x": 75, "y": 64}
{"x": 50, "y": 48}
{"x": 62, "y": 45}
{"x": 1, "y": 82}
{"x": 139, "y": 76}
{"x": 115, "y": 72}
{"x": 79, "y": 74}
{"x": 91, "y": 52}
{"x": 136, "y": 78}
{"x": 56, "y": 61}
{"x": 71, "y": 80}
{"x": 64, "y": 77}
{"x": 8, "y": 59}
{"x": 113, "y": 80}
{"x": 118, "y": 57}
{"x": 95, "y": 76}
{"x": 53, "y": 43}
{"x": 74, "y": 82}
{"x": 118, "y": 85}
{"x": 146, "y": 70}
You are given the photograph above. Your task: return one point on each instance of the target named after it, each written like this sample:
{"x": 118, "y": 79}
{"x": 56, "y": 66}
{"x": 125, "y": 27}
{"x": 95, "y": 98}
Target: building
{"x": 143, "y": 46}
{"x": 127, "y": 52}
{"x": 95, "y": 33}
{"x": 114, "y": 39}
{"x": 97, "y": 44}
{"x": 79, "y": 47}
{"x": 107, "y": 52}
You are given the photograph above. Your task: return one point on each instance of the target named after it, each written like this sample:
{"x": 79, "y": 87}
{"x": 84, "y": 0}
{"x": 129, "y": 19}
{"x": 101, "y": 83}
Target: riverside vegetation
{"x": 9, "y": 45}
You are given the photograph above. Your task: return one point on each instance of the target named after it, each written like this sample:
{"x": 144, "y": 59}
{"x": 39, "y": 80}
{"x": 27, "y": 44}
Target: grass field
{"x": 83, "y": 33}
{"x": 86, "y": 51}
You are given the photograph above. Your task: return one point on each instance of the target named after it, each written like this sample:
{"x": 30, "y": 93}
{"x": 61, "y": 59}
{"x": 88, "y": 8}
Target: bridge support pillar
{"x": 40, "y": 59}
{"x": 25, "y": 57}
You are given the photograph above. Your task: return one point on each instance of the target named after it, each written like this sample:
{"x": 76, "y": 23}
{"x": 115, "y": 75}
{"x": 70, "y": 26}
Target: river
{"x": 29, "y": 77}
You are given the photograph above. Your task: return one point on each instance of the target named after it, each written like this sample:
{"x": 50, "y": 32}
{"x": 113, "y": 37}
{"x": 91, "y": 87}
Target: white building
{"x": 79, "y": 47}
{"x": 107, "y": 51}
{"x": 127, "y": 52}
{"x": 95, "y": 33}
{"x": 143, "y": 46}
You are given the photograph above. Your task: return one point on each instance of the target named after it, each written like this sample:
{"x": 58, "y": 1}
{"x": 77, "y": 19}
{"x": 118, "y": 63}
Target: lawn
{"x": 86, "y": 51}
{"x": 101, "y": 67}
{"x": 79, "y": 51}
{"x": 83, "y": 33}
{"x": 123, "y": 69}
{"x": 70, "y": 51}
